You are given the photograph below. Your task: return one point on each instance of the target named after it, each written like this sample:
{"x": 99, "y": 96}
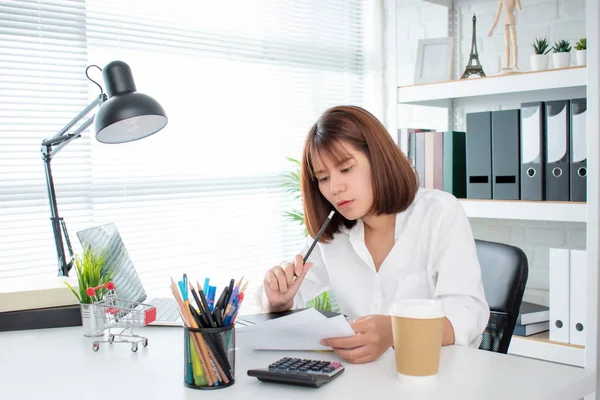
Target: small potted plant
{"x": 539, "y": 58}
{"x": 91, "y": 272}
{"x": 561, "y": 56}
{"x": 580, "y": 53}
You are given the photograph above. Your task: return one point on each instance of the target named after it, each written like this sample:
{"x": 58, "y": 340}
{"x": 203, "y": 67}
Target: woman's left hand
{"x": 373, "y": 337}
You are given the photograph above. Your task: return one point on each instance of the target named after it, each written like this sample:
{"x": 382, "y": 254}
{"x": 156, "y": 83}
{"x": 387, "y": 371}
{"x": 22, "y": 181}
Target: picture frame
{"x": 434, "y": 60}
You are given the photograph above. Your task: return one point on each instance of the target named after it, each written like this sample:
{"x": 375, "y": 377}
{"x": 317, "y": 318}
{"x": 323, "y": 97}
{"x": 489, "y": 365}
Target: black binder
{"x": 557, "y": 150}
{"x": 533, "y": 161}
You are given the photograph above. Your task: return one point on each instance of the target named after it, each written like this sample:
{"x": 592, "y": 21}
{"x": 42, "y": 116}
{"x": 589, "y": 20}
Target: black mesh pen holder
{"x": 209, "y": 357}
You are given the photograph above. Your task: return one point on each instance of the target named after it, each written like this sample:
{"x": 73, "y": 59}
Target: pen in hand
{"x": 319, "y": 234}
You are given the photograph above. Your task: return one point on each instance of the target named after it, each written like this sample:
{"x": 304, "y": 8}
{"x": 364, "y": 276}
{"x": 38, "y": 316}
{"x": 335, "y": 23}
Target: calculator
{"x": 297, "y": 371}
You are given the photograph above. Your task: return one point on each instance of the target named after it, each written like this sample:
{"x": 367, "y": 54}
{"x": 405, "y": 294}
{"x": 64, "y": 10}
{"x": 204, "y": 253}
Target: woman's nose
{"x": 337, "y": 185}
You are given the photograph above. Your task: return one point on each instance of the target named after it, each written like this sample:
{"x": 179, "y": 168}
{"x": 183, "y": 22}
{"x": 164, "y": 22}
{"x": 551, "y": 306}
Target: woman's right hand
{"x": 281, "y": 285}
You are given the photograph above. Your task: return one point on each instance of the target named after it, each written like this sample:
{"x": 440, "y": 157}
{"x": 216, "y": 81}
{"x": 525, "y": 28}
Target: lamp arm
{"x": 49, "y": 149}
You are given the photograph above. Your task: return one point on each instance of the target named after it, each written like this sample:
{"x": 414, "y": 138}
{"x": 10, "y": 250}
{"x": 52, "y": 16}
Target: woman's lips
{"x": 345, "y": 204}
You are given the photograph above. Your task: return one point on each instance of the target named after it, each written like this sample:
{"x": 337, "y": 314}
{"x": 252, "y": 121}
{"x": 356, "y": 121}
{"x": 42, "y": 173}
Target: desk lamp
{"x": 124, "y": 115}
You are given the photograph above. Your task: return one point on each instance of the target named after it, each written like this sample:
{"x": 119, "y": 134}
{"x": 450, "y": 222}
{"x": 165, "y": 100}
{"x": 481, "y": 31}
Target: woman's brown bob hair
{"x": 394, "y": 181}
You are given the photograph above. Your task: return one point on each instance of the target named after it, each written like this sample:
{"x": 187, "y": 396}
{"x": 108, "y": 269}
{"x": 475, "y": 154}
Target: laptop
{"x": 128, "y": 285}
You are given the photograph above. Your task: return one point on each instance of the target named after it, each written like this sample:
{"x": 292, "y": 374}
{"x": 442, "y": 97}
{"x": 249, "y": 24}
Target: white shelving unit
{"x": 538, "y": 346}
{"x": 548, "y": 85}
{"x": 554, "y": 84}
{"x": 526, "y": 210}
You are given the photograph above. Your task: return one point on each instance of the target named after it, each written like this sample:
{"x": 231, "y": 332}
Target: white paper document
{"x": 298, "y": 331}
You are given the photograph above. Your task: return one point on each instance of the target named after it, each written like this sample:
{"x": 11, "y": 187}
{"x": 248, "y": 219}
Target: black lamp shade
{"x": 127, "y": 115}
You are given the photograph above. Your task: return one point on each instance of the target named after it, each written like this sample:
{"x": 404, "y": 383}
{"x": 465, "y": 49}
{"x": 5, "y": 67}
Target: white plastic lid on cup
{"x": 417, "y": 309}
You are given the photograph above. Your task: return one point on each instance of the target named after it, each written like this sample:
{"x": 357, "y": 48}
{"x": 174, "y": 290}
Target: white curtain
{"x": 241, "y": 83}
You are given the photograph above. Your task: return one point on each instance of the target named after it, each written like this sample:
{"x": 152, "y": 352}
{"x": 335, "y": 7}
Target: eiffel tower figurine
{"x": 473, "y": 66}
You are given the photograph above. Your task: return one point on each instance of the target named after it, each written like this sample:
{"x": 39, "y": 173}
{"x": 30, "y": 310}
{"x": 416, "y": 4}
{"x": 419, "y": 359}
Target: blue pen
{"x": 205, "y": 288}
{"x": 232, "y": 310}
{"x": 233, "y": 298}
{"x": 211, "y": 297}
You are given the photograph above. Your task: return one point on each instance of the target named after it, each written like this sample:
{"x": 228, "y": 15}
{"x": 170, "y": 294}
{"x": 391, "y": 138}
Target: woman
{"x": 388, "y": 240}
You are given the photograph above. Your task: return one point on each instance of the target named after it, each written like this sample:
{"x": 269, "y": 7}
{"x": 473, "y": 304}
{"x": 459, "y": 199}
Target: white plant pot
{"x": 539, "y": 62}
{"x": 91, "y": 325}
{"x": 581, "y": 57}
{"x": 561, "y": 60}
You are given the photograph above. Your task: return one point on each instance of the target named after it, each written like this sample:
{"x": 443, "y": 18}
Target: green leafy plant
{"x": 541, "y": 46}
{"x": 562, "y": 46}
{"x": 91, "y": 272}
{"x": 581, "y": 44}
{"x": 292, "y": 185}
{"x": 321, "y": 302}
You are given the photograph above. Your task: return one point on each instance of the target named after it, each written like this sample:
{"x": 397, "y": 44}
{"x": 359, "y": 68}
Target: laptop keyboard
{"x": 166, "y": 310}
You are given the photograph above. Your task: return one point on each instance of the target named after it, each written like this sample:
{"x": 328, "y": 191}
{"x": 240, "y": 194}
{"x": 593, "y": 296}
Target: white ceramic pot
{"x": 91, "y": 325}
{"x": 561, "y": 60}
{"x": 581, "y": 57}
{"x": 539, "y": 62}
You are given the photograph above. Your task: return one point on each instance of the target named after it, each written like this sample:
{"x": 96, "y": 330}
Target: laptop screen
{"x": 106, "y": 238}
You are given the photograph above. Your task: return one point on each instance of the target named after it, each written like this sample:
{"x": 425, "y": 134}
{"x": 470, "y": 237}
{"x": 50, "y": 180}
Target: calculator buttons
{"x": 296, "y": 371}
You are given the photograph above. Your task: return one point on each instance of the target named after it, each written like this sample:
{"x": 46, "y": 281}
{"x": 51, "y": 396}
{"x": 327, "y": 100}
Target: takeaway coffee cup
{"x": 417, "y": 328}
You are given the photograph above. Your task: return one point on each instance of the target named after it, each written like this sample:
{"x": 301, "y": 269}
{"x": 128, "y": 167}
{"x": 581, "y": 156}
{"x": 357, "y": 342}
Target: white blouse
{"x": 434, "y": 257}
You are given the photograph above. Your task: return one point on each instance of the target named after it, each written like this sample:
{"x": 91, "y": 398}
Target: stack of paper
{"x": 33, "y": 292}
{"x": 299, "y": 331}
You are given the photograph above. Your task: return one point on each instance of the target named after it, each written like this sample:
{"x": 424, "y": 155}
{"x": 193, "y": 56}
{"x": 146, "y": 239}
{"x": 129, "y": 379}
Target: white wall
{"x": 534, "y": 238}
{"x": 554, "y": 19}
{"x": 418, "y": 20}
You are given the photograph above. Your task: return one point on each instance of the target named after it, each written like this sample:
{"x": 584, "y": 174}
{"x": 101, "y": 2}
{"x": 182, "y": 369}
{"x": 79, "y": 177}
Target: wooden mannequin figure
{"x": 510, "y": 32}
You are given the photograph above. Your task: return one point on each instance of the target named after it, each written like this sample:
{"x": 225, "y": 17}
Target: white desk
{"x": 60, "y": 364}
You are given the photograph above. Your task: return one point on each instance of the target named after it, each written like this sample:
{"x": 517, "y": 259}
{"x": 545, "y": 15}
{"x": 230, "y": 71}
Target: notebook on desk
{"x": 127, "y": 282}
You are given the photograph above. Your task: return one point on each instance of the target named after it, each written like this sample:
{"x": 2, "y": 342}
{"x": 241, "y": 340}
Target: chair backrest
{"x": 504, "y": 271}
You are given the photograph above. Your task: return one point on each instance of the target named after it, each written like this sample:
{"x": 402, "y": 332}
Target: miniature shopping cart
{"x": 110, "y": 312}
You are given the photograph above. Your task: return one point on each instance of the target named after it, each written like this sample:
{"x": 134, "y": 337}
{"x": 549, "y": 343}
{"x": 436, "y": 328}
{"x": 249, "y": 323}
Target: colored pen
{"x": 222, "y": 298}
{"x": 240, "y": 299}
{"x": 231, "y": 311}
{"x": 314, "y": 243}
{"x": 233, "y": 296}
{"x": 210, "y": 297}
{"x": 218, "y": 317}
{"x": 201, "y": 311}
{"x": 208, "y": 314}
{"x": 229, "y": 291}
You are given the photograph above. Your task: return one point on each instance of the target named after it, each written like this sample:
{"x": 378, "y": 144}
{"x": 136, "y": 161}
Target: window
{"x": 241, "y": 85}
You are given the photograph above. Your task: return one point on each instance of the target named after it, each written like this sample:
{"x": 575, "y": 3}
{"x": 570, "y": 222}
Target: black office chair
{"x": 504, "y": 271}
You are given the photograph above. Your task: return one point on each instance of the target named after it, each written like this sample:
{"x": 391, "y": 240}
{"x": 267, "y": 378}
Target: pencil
{"x": 319, "y": 234}
{"x": 243, "y": 289}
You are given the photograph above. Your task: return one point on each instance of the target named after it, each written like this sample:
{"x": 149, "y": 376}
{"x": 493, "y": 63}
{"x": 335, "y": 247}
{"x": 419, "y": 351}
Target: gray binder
{"x": 505, "y": 155}
{"x": 579, "y": 150}
{"x": 412, "y": 148}
{"x": 479, "y": 155}
{"x": 533, "y": 162}
{"x": 557, "y": 150}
